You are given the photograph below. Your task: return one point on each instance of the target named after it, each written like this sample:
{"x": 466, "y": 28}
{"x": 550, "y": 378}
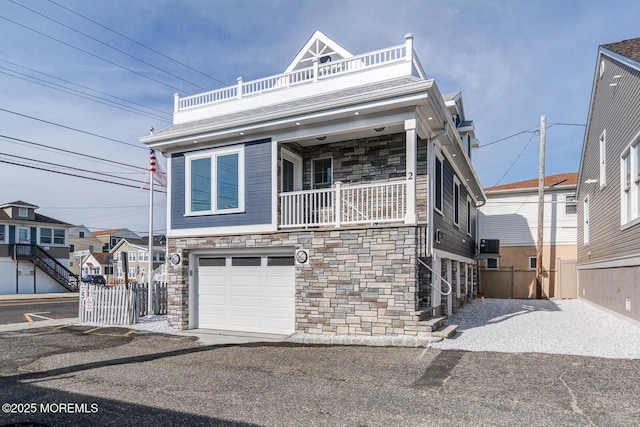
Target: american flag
{"x": 159, "y": 175}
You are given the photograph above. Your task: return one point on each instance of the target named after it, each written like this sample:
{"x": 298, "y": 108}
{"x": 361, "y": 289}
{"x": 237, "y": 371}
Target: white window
{"x": 45, "y": 236}
{"x": 586, "y": 221}
{"x": 603, "y": 158}
{"x": 3, "y": 233}
{"x": 143, "y": 256}
{"x": 58, "y": 236}
{"x": 570, "y": 204}
{"x": 438, "y": 184}
{"x": 23, "y": 212}
{"x": 493, "y": 264}
{"x": 215, "y": 181}
{"x": 132, "y": 256}
{"x": 456, "y": 201}
{"x": 533, "y": 263}
{"x": 322, "y": 172}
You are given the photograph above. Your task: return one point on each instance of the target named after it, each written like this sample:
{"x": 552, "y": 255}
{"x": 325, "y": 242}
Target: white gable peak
{"x": 319, "y": 46}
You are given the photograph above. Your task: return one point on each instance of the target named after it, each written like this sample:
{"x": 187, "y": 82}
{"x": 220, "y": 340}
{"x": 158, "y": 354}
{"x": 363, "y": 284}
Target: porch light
{"x": 321, "y": 138}
{"x": 379, "y": 129}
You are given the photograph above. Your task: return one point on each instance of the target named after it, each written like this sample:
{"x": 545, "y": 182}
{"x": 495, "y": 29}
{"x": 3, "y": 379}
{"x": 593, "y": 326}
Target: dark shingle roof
{"x": 629, "y": 48}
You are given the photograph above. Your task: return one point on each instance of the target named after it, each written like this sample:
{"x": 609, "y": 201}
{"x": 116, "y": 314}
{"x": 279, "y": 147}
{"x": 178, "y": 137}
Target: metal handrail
{"x": 441, "y": 278}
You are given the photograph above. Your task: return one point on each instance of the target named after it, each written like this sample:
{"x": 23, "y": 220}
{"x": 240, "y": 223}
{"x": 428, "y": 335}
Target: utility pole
{"x": 543, "y": 131}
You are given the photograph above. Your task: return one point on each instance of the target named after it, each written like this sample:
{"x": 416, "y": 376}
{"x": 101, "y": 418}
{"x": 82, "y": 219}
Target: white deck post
{"x": 338, "y": 202}
{"x": 176, "y": 102}
{"x": 315, "y": 62}
{"x": 408, "y": 40}
{"x": 412, "y": 154}
{"x": 240, "y": 83}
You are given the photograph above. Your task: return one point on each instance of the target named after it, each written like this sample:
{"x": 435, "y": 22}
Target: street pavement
{"x": 59, "y": 375}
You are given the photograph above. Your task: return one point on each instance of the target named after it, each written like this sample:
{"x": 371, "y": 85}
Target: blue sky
{"x": 513, "y": 61}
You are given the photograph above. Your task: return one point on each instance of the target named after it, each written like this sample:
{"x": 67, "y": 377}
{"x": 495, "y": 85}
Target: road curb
{"x": 38, "y": 324}
{"x": 22, "y": 297}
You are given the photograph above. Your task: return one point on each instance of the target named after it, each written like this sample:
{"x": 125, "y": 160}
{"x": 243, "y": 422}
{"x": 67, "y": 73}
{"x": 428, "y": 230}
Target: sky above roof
{"x": 91, "y": 77}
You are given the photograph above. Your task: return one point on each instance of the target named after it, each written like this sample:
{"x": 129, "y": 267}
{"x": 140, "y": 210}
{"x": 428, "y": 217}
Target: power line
{"x": 535, "y": 132}
{"x": 69, "y": 152}
{"x": 79, "y": 94}
{"x": 107, "y": 45}
{"x": 515, "y": 161}
{"x": 89, "y": 53}
{"x": 73, "y": 175}
{"x": 73, "y": 129}
{"x": 138, "y": 43}
{"x": 69, "y": 167}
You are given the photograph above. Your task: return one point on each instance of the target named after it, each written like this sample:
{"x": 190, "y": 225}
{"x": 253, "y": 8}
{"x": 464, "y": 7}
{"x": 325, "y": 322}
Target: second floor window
{"x": 215, "y": 181}
{"x": 571, "y": 206}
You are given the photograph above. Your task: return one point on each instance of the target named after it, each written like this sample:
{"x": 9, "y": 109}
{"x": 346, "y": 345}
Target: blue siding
{"x": 257, "y": 169}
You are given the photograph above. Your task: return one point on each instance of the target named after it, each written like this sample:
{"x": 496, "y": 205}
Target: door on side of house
{"x": 246, "y": 293}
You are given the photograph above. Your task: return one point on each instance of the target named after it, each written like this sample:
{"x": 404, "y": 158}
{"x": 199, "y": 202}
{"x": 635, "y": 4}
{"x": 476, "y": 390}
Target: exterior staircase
{"x": 429, "y": 317}
{"x": 48, "y": 264}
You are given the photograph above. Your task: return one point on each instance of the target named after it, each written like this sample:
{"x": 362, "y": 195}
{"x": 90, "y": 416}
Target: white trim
{"x": 213, "y": 155}
{"x": 603, "y": 159}
{"x": 469, "y": 216}
{"x": 215, "y": 231}
{"x": 169, "y": 189}
{"x": 529, "y": 263}
{"x": 274, "y": 183}
{"x": 23, "y": 212}
{"x": 297, "y": 168}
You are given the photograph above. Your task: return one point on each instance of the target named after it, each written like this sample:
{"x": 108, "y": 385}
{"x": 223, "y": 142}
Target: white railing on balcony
{"x": 345, "y": 205}
{"x": 306, "y": 75}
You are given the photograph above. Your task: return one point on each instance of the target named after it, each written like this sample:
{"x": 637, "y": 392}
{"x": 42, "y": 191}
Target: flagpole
{"x": 152, "y": 167}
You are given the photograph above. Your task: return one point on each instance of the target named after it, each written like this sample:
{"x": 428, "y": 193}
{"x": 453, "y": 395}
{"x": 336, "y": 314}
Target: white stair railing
{"x": 441, "y": 278}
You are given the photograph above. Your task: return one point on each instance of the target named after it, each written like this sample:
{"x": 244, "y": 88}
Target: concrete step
{"x": 445, "y": 332}
{"x": 433, "y": 323}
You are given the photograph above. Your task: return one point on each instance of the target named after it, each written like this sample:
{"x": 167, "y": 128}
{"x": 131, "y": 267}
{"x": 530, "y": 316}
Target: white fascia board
{"x": 531, "y": 190}
{"x": 220, "y": 231}
{"x": 257, "y": 126}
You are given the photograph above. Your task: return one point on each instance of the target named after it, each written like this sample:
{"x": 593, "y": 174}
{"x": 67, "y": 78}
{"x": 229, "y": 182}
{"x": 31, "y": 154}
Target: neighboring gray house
{"x": 34, "y": 251}
{"x": 310, "y": 201}
{"x": 609, "y": 184}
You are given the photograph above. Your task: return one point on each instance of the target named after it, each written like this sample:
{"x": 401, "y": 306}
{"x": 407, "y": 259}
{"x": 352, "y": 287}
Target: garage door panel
{"x": 252, "y": 298}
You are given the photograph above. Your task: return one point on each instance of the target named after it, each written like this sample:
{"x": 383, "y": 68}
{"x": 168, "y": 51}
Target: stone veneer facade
{"x": 358, "y": 281}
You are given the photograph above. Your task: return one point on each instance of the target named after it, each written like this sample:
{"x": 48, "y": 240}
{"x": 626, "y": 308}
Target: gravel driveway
{"x": 543, "y": 326}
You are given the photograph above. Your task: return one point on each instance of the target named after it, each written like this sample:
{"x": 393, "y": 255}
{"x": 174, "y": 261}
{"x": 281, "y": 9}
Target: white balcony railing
{"x": 306, "y": 75}
{"x": 345, "y": 205}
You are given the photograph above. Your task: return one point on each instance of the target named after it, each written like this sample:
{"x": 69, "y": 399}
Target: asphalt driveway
{"x": 79, "y": 375}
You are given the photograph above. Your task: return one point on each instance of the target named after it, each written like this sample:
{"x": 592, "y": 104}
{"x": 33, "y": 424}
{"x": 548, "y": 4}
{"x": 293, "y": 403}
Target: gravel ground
{"x": 542, "y": 326}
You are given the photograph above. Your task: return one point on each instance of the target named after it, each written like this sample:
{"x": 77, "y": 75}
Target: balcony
{"x": 353, "y": 204}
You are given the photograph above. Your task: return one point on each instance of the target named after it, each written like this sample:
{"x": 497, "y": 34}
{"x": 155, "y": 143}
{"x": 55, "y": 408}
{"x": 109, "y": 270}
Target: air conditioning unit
{"x": 489, "y": 246}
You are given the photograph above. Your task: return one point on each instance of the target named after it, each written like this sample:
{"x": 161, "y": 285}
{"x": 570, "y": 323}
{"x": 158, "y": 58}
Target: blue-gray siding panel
{"x": 257, "y": 158}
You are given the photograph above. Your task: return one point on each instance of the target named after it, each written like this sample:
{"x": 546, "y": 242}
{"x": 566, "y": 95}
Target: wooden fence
{"x": 119, "y": 305}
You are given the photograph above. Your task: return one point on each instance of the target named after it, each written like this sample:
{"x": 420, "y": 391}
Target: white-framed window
{"x": 456, "y": 201}
{"x": 46, "y": 236}
{"x": 603, "y": 158}
{"x": 438, "y": 183}
{"x": 132, "y": 256}
{"x": 493, "y": 263}
{"x": 3, "y": 233}
{"x": 469, "y": 215}
{"x": 143, "y": 256}
{"x": 322, "y": 172}
{"x": 533, "y": 263}
{"x": 585, "y": 220}
{"x": 215, "y": 181}
{"x": 132, "y": 271}
{"x": 570, "y": 204}
{"x": 23, "y": 212}
{"x": 81, "y": 234}
{"x": 630, "y": 183}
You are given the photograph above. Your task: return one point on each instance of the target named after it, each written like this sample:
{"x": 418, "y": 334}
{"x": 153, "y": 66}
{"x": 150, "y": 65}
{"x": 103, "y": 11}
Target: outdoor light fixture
{"x": 379, "y": 129}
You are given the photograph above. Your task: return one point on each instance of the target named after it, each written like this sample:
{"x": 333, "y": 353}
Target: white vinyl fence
{"x": 119, "y": 305}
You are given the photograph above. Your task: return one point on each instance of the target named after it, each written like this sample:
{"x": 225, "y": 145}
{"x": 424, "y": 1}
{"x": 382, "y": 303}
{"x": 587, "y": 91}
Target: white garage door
{"x": 247, "y": 293}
